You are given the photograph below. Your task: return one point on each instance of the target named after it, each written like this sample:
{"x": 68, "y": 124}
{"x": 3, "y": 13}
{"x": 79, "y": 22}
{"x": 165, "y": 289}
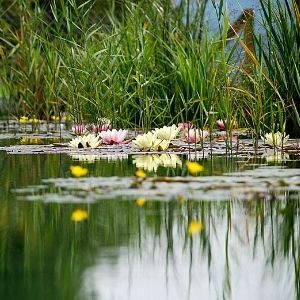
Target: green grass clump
{"x": 150, "y": 64}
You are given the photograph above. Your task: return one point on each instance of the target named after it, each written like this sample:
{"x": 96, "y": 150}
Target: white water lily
{"x": 167, "y": 132}
{"x": 149, "y": 141}
{"x": 151, "y": 162}
{"x": 275, "y": 139}
{"x": 86, "y": 141}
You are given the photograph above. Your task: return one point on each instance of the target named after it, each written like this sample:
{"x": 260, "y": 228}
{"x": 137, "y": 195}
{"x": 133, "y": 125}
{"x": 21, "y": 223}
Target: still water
{"x": 246, "y": 250}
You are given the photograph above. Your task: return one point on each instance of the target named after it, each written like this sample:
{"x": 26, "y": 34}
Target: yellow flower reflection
{"x": 194, "y": 167}
{"x": 151, "y": 162}
{"x": 78, "y": 171}
{"x": 140, "y": 201}
{"x": 195, "y": 227}
{"x": 79, "y": 215}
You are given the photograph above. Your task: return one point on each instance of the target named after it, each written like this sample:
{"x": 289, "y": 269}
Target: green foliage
{"x": 148, "y": 64}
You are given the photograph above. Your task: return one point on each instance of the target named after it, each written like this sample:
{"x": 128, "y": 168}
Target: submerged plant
{"x": 114, "y": 136}
{"x": 86, "y": 141}
{"x": 150, "y": 142}
{"x": 275, "y": 139}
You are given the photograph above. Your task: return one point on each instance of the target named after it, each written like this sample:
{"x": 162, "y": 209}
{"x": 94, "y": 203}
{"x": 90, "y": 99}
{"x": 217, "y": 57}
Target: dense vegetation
{"x": 149, "y": 63}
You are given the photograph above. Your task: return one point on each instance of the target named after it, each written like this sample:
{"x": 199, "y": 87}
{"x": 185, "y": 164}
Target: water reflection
{"x": 151, "y": 162}
{"x": 92, "y": 158}
{"x": 247, "y": 250}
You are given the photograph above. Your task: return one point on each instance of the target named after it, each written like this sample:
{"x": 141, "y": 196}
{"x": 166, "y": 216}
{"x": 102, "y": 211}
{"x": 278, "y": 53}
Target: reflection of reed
{"x": 236, "y": 236}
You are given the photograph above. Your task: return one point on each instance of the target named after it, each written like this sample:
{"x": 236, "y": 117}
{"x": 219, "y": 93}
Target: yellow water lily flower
{"x": 167, "y": 132}
{"x": 34, "y": 120}
{"x": 140, "y": 173}
{"x": 55, "y": 118}
{"x": 79, "y": 215}
{"x": 195, "y": 227}
{"x": 78, "y": 171}
{"x": 23, "y": 120}
{"x": 140, "y": 201}
{"x": 275, "y": 139}
{"x": 194, "y": 167}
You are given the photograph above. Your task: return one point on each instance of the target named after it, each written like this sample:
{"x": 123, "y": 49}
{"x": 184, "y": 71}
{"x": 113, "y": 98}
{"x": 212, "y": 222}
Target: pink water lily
{"x": 101, "y": 127}
{"x": 186, "y": 125}
{"x": 220, "y": 124}
{"x": 79, "y": 129}
{"x": 195, "y": 135}
{"x": 114, "y": 136}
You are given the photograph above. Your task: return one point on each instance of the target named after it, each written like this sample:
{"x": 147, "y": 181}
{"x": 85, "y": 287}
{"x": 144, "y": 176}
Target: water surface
{"x": 246, "y": 250}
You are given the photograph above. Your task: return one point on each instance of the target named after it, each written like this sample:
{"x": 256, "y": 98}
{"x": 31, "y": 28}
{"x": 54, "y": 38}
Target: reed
{"x": 151, "y": 64}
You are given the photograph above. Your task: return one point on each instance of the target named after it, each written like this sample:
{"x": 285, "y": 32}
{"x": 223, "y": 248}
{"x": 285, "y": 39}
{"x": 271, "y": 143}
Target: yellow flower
{"x": 34, "y": 120}
{"x": 79, "y": 215}
{"x": 140, "y": 173}
{"x": 140, "y": 201}
{"x": 23, "y": 120}
{"x": 78, "y": 171}
{"x": 55, "y": 118}
{"x": 195, "y": 227}
{"x": 194, "y": 167}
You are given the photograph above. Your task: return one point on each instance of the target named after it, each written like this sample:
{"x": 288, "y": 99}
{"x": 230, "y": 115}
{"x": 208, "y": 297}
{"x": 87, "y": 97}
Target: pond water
{"x": 247, "y": 249}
